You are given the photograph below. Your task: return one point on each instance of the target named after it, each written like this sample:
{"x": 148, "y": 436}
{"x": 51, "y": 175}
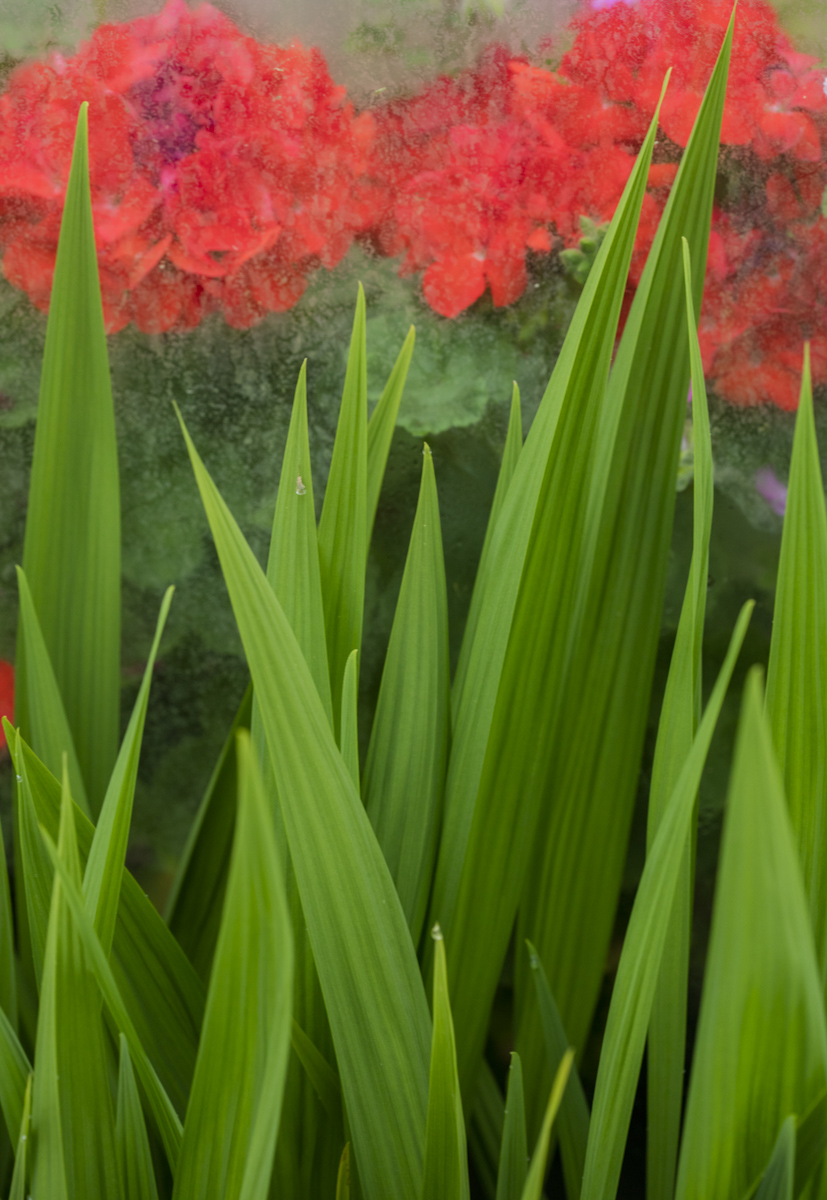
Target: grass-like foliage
{"x": 309, "y": 1019}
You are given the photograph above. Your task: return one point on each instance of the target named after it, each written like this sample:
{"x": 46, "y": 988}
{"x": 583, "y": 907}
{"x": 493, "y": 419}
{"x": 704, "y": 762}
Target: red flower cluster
{"x": 6, "y": 696}
{"x": 224, "y": 171}
{"x": 221, "y": 168}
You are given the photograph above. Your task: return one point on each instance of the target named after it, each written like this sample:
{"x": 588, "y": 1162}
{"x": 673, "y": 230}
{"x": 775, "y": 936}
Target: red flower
{"x": 6, "y": 696}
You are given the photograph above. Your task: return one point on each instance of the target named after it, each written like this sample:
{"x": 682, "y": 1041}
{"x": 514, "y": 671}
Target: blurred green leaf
{"x": 761, "y": 1045}
{"x": 197, "y": 895}
{"x": 797, "y": 673}
{"x": 14, "y": 1070}
{"x": 8, "y": 970}
{"x": 235, "y": 1103}
{"x": 533, "y": 1188}
{"x": 679, "y": 717}
{"x": 349, "y": 728}
{"x": 777, "y": 1183}
{"x": 485, "y": 1129}
{"x": 810, "y": 1142}
{"x": 446, "y": 1156}
{"x": 71, "y": 554}
{"x": 513, "y": 1166}
{"x": 34, "y": 865}
{"x": 18, "y": 1180}
{"x": 343, "y": 544}
{"x": 640, "y": 960}
{"x": 73, "y": 1122}
{"x": 134, "y": 1157}
{"x": 366, "y": 961}
{"x": 408, "y": 751}
{"x": 319, "y": 1071}
{"x": 343, "y": 1181}
{"x": 382, "y": 424}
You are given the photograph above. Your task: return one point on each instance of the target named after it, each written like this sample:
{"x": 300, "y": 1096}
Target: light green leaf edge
{"x": 349, "y": 726}
{"x": 134, "y": 1156}
{"x": 533, "y": 1189}
{"x": 18, "y": 1179}
{"x": 513, "y": 1165}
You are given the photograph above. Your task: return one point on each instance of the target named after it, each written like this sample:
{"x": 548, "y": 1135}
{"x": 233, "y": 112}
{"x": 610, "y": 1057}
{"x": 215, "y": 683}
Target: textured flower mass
{"x": 225, "y": 171}
{"x": 6, "y": 697}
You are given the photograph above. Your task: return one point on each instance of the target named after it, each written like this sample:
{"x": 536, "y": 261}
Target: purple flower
{"x": 771, "y": 489}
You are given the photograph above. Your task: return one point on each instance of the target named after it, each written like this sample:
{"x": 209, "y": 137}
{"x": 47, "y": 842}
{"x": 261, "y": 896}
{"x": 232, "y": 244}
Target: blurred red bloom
{"x": 6, "y": 696}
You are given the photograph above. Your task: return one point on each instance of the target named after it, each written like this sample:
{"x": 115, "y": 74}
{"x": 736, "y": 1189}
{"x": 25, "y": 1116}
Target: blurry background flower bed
{"x": 464, "y": 171}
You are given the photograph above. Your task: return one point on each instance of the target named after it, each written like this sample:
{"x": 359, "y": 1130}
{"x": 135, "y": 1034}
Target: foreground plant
{"x": 310, "y": 1018}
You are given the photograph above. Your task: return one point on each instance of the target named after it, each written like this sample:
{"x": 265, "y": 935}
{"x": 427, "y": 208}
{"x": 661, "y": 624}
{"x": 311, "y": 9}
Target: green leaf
{"x": 640, "y": 959}
{"x": 14, "y": 1070}
{"x": 18, "y": 1180}
{"x": 34, "y": 861}
{"x": 408, "y": 751}
{"x": 446, "y": 1155}
{"x": 343, "y": 546}
{"x": 511, "y": 454}
{"x": 71, "y": 554}
{"x": 501, "y": 734}
{"x": 349, "y": 729}
{"x": 778, "y": 1180}
{"x": 810, "y": 1142}
{"x": 73, "y": 1122}
{"x": 513, "y": 1167}
{"x": 343, "y": 1181}
{"x": 235, "y": 1103}
{"x": 105, "y": 864}
{"x": 797, "y": 674}
{"x": 680, "y": 713}
{"x": 533, "y": 1189}
{"x": 589, "y": 773}
{"x": 761, "y": 1045}
{"x": 197, "y": 896}
{"x": 485, "y": 1129}
{"x": 366, "y": 962}
{"x": 160, "y": 990}
{"x": 51, "y": 736}
{"x": 134, "y": 1156}
{"x": 8, "y": 969}
{"x": 574, "y": 1110}
{"x": 324, "y": 1079}
{"x": 165, "y": 1115}
{"x": 382, "y": 424}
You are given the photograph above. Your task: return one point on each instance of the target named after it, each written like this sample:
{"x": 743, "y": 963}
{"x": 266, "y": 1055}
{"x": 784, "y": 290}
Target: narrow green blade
{"x": 679, "y": 717}
{"x": 366, "y": 961}
{"x": 446, "y": 1154}
{"x": 34, "y": 861}
{"x": 319, "y": 1071}
{"x": 511, "y": 454}
{"x": 797, "y": 674}
{"x": 51, "y": 736}
{"x": 71, "y": 554}
{"x": 594, "y": 749}
{"x": 8, "y": 969}
{"x": 18, "y": 1179}
{"x": 501, "y": 735}
{"x": 349, "y": 727}
{"x": 160, "y": 989}
{"x": 513, "y": 1168}
{"x": 382, "y": 424}
{"x": 134, "y": 1156}
{"x": 810, "y": 1142}
{"x": 197, "y": 895}
{"x": 574, "y": 1110}
{"x": 105, "y": 864}
{"x": 235, "y": 1103}
{"x": 761, "y": 1046}
{"x": 779, "y": 1176}
{"x": 343, "y": 1181}
{"x": 640, "y": 960}
{"x": 14, "y": 1070}
{"x": 343, "y": 546}
{"x": 533, "y": 1189}
{"x": 73, "y": 1122}
{"x": 408, "y": 752}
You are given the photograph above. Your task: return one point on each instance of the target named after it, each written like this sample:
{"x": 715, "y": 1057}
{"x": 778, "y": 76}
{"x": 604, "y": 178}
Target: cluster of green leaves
{"x": 310, "y": 1017}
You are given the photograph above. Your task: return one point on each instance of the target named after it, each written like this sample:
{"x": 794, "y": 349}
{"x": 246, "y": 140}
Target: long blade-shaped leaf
{"x": 197, "y": 895}
{"x": 595, "y": 747}
{"x": 533, "y": 1189}
{"x": 446, "y": 1155}
{"x": 366, "y": 962}
{"x": 513, "y": 1168}
{"x": 797, "y": 674}
{"x": 761, "y": 1047}
{"x": 349, "y": 728}
{"x": 8, "y": 969}
{"x": 810, "y": 1142}
{"x": 34, "y": 861}
{"x": 382, "y": 424}
{"x": 679, "y": 717}
{"x": 233, "y": 1114}
{"x": 73, "y": 1118}
{"x": 501, "y": 739}
{"x": 343, "y": 544}
{"x": 51, "y": 736}
{"x": 343, "y": 1180}
{"x": 511, "y": 454}
{"x": 71, "y": 553}
{"x": 779, "y": 1177}
{"x": 134, "y": 1156}
{"x": 640, "y": 960}
{"x": 574, "y": 1110}
{"x": 319, "y": 1071}
{"x": 104, "y": 866}
{"x": 408, "y": 752}
{"x": 14, "y": 1070}
{"x": 18, "y": 1180}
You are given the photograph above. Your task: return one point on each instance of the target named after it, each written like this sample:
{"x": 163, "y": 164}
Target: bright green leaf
{"x": 778, "y": 1180}
{"x": 513, "y": 1166}
{"x": 446, "y": 1156}
{"x": 14, "y": 1070}
{"x": 18, "y": 1181}
{"x": 533, "y": 1189}
{"x": 349, "y": 725}
{"x": 134, "y": 1157}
